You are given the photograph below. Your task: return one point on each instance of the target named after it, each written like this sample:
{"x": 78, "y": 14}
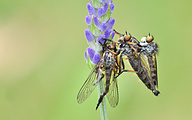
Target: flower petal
{"x": 112, "y": 7}
{"x": 96, "y": 58}
{"x": 89, "y": 36}
{"x": 106, "y": 6}
{"x": 111, "y": 22}
{"x": 88, "y": 20}
{"x": 103, "y": 26}
{"x": 90, "y": 9}
{"x": 95, "y": 20}
{"x": 101, "y": 11}
{"x": 91, "y": 52}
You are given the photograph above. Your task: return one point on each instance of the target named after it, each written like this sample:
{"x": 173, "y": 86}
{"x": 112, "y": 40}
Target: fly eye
{"x": 127, "y": 37}
{"x": 150, "y": 38}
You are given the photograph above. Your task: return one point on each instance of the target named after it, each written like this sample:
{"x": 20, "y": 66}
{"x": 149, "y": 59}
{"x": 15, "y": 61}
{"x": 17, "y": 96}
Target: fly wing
{"x": 140, "y": 64}
{"x": 88, "y": 86}
{"x": 145, "y": 64}
{"x": 153, "y": 68}
{"x": 113, "y": 95}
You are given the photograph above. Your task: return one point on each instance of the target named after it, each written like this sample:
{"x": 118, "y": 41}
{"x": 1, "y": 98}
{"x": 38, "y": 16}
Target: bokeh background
{"x": 42, "y": 65}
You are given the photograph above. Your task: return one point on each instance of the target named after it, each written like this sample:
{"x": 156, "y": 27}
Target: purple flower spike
{"x": 99, "y": 25}
{"x": 91, "y": 52}
{"x": 88, "y": 20}
{"x": 112, "y": 7}
{"x": 90, "y": 9}
{"x": 106, "y": 6}
{"x": 95, "y": 20}
{"x": 103, "y": 26}
{"x": 111, "y": 23}
{"x": 89, "y": 36}
{"x": 96, "y": 58}
{"x": 101, "y": 11}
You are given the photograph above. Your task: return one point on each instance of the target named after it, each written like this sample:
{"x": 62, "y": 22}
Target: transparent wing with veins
{"x": 88, "y": 86}
{"x": 113, "y": 95}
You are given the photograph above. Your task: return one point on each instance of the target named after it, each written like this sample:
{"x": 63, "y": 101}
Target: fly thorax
{"x": 108, "y": 59}
{"x": 155, "y": 47}
{"x": 149, "y": 49}
{"x": 121, "y": 45}
{"x": 127, "y": 50}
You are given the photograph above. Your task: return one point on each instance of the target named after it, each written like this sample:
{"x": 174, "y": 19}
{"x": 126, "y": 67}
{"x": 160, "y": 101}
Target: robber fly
{"x": 111, "y": 63}
{"x": 108, "y": 65}
{"x": 148, "y": 52}
{"x": 130, "y": 47}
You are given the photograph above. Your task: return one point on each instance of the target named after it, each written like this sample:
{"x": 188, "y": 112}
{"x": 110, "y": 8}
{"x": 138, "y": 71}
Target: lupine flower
{"x": 99, "y": 25}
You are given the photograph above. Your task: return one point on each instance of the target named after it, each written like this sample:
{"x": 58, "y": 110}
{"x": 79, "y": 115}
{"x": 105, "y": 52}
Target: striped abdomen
{"x": 153, "y": 68}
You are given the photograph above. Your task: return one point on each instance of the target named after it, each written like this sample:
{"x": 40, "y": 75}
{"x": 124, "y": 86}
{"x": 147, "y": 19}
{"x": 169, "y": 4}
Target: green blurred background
{"x": 42, "y": 65}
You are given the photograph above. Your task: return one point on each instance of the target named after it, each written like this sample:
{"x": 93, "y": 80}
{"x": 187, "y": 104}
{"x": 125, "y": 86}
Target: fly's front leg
{"x": 137, "y": 55}
{"x": 110, "y": 40}
{"x": 116, "y": 58}
{"x": 117, "y": 33}
{"x": 120, "y": 72}
{"x": 120, "y": 61}
{"x": 134, "y": 50}
{"x": 132, "y": 43}
{"x": 125, "y": 71}
{"x": 123, "y": 65}
{"x": 102, "y": 76}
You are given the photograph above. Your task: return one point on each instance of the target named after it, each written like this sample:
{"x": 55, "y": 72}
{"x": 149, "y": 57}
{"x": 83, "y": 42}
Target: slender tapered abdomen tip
{"x": 156, "y": 93}
{"x": 97, "y": 107}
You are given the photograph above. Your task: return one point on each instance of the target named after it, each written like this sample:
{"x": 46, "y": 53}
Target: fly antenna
{"x": 126, "y": 32}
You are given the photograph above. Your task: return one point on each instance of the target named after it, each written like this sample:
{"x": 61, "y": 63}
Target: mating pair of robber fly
{"x": 142, "y": 57}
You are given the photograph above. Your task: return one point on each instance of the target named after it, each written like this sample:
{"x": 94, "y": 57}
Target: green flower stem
{"x": 103, "y": 107}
